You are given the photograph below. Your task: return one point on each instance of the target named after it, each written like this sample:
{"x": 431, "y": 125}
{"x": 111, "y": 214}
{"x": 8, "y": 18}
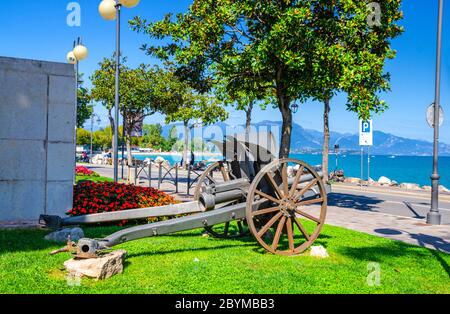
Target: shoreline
{"x": 399, "y": 169}
{"x": 172, "y": 154}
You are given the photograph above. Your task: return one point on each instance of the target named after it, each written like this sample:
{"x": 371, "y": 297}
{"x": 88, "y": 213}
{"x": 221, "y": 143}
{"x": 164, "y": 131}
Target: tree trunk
{"x": 285, "y": 147}
{"x": 326, "y": 139}
{"x": 112, "y": 122}
{"x": 128, "y": 140}
{"x": 284, "y": 104}
{"x": 248, "y": 123}
{"x": 186, "y": 144}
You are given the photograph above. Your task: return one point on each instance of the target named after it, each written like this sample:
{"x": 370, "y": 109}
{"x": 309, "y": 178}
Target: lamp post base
{"x": 434, "y": 218}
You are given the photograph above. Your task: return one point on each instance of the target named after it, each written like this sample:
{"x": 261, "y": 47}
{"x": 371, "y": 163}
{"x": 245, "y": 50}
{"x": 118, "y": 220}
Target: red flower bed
{"x": 93, "y": 198}
{"x": 83, "y": 171}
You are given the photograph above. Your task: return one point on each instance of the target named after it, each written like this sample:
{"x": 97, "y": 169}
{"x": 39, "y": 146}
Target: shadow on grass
{"x": 24, "y": 240}
{"x": 283, "y": 243}
{"x": 394, "y": 249}
{"x": 187, "y": 249}
{"x": 27, "y": 240}
{"x": 358, "y": 202}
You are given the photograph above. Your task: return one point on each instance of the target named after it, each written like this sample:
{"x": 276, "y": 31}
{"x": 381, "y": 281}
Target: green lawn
{"x": 94, "y": 179}
{"x": 169, "y": 265}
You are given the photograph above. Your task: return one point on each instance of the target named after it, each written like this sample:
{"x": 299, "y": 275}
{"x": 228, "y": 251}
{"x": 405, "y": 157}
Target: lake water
{"x": 403, "y": 169}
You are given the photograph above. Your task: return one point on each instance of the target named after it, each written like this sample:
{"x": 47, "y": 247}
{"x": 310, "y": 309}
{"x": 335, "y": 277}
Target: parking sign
{"x": 365, "y": 133}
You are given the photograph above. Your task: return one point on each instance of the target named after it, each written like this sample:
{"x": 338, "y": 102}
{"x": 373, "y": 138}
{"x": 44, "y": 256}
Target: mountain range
{"x": 310, "y": 141}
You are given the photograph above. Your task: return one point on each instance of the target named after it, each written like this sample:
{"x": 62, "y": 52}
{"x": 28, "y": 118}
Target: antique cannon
{"x": 281, "y": 202}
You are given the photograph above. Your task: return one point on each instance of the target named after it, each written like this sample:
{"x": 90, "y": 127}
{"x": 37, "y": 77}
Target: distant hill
{"x": 306, "y": 140}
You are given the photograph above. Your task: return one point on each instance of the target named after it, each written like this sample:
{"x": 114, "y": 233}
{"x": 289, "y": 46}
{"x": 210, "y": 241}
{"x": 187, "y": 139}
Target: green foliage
{"x": 83, "y": 137}
{"x": 102, "y": 138}
{"x": 135, "y": 86}
{"x": 169, "y": 143}
{"x": 280, "y": 51}
{"x": 350, "y": 53}
{"x": 84, "y": 106}
{"x": 198, "y": 107}
{"x": 152, "y": 136}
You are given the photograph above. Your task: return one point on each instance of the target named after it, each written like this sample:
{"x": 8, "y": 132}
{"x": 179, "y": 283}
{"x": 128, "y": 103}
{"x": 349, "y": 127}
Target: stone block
{"x": 23, "y": 105}
{"x": 21, "y": 200}
{"x": 61, "y": 161}
{"x": 62, "y": 111}
{"x": 62, "y": 90}
{"x": 59, "y": 197}
{"x": 22, "y": 160}
{"x": 37, "y": 66}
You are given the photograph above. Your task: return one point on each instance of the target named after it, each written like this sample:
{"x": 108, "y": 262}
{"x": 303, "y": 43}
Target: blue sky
{"x": 38, "y": 30}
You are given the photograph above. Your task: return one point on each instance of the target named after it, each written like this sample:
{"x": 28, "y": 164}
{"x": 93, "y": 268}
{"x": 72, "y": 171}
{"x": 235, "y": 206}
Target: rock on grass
{"x": 99, "y": 268}
{"x": 319, "y": 251}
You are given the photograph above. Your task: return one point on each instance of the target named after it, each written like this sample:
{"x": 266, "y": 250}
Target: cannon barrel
{"x": 226, "y": 192}
{"x": 236, "y": 190}
{"x": 304, "y": 178}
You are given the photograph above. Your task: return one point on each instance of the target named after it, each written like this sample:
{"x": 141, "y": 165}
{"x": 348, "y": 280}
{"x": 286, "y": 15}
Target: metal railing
{"x": 165, "y": 175}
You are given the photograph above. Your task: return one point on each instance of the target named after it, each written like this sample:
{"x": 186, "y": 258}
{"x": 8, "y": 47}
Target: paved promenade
{"x": 410, "y": 230}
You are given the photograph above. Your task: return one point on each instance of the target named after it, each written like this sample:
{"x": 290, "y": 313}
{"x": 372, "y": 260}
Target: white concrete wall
{"x": 37, "y": 123}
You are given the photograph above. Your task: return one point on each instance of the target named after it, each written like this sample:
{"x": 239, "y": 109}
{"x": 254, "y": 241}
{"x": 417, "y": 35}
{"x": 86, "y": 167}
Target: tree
{"x": 268, "y": 48}
{"x": 196, "y": 107}
{"x": 136, "y": 94}
{"x": 83, "y": 137}
{"x": 152, "y": 136}
{"x": 84, "y": 106}
{"x": 350, "y": 54}
{"x": 252, "y": 46}
{"x": 169, "y": 143}
{"x": 242, "y": 101}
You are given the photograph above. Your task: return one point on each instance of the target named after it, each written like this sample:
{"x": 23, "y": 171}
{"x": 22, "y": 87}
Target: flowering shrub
{"x": 93, "y": 198}
{"x": 83, "y": 171}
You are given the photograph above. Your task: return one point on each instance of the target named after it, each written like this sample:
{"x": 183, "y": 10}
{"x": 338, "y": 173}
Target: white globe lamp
{"x": 129, "y": 3}
{"x": 80, "y": 52}
{"x": 71, "y": 58}
{"x": 107, "y": 9}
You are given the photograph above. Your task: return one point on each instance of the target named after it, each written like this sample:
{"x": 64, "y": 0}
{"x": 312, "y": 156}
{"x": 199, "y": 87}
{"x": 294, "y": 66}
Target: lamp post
{"x": 110, "y": 10}
{"x": 434, "y": 216}
{"x": 79, "y": 53}
{"x": 336, "y": 152}
{"x": 94, "y": 115}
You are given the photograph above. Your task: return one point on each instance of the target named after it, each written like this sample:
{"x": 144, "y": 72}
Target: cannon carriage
{"x": 281, "y": 202}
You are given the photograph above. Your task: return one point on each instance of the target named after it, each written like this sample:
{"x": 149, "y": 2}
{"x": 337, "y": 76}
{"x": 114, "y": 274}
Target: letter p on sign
{"x": 366, "y": 127}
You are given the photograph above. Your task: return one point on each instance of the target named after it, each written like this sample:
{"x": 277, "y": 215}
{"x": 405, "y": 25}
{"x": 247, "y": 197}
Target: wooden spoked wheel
{"x": 219, "y": 172}
{"x": 294, "y": 214}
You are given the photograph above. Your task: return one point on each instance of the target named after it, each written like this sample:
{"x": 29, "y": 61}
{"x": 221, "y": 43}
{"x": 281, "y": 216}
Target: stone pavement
{"x": 393, "y": 227}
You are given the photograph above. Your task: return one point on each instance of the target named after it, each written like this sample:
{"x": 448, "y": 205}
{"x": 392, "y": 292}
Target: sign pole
{"x": 365, "y": 139}
{"x": 362, "y": 166}
{"x": 368, "y": 165}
